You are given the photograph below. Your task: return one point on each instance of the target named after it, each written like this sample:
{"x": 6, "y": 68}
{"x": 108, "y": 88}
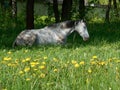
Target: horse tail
{"x": 14, "y": 44}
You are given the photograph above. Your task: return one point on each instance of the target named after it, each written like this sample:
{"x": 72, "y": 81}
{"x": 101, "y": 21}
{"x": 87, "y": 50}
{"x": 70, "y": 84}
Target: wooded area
{"x": 66, "y": 11}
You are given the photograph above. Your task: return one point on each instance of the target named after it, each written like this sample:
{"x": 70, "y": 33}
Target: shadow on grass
{"x": 99, "y": 33}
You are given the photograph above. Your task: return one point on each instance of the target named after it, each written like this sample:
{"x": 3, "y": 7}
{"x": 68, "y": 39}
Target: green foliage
{"x": 41, "y": 21}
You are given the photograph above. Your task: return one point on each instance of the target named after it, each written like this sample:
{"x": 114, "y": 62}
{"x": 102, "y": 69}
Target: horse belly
{"x": 45, "y": 38}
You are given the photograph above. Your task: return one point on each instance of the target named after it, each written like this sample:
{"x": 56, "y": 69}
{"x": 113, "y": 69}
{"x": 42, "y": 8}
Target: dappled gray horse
{"x": 53, "y": 34}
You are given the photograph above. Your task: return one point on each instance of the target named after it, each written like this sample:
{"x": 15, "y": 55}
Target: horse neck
{"x": 66, "y": 32}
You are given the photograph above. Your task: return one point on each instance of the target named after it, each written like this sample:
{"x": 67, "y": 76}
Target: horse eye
{"x": 84, "y": 27}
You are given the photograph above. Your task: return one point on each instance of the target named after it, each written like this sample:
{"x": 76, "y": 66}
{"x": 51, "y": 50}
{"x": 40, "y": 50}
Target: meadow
{"x": 78, "y": 65}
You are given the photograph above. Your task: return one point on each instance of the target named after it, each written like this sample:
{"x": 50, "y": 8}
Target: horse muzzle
{"x": 86, "y": 38}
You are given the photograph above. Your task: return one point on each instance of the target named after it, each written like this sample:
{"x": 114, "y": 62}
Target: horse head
{"x": 81, "y": 28}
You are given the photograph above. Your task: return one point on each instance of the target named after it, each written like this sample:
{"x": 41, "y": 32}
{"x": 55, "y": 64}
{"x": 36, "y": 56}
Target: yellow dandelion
{"x": 102, "y": 63}
{"x": 55, "y": 59}
{"x": 27, "y": 79}
{"x": 42, "y": 67}
{"x": 82, "y": 63}
{"x": 12, "y": 64}
{"x": 28, "y": 59}
{"x": 76, "y": 65}
{"x": 33, "y": 64}
{"x": 9, "y": 52}
{"x": 26, "y": 69}
{"x": 42, "y": 75}
{"x": 26, "y": 51}
{"x": 94, "y": 57}
{"x": 21, "y": 72}
{"x": 23, "y": 61}
{"x": 93, "y": 63}
{"x": 55, "y": 70}
{"x": 89, "y": 70}
{"x": 73, "y": 62}
{"x": 45, "y": 57}
{"x": 7, "y": 58}
{"x": 43, "y": 63}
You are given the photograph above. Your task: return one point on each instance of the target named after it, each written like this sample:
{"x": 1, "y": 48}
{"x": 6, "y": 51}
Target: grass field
{"x": 78, "y": 65}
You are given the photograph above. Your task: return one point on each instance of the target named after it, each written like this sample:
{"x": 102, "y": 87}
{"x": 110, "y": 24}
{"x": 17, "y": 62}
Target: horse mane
{"x": 62, "y": 25}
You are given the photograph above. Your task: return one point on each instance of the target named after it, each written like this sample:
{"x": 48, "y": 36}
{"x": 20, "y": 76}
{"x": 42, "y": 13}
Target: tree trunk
{"x": 82, "y": 8}
{"x": 66, "y": 10}
{"x": 107, "y": 16}
{"x": 13, "y": 4}
{"x": 115, "y": 8}
{"x": 56, "y": 11}
{"x": 30, "y": 14}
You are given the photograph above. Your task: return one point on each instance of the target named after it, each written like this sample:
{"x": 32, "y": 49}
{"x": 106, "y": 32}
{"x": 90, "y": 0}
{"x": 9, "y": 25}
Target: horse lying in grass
{"x": 53, "y": 34}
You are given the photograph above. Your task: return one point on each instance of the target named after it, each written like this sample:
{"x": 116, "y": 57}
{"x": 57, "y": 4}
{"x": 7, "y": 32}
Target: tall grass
{"x": 78, "y": 65}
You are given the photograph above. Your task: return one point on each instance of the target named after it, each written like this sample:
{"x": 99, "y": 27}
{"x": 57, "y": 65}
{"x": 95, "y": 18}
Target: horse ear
{"x": 82, "y": 20}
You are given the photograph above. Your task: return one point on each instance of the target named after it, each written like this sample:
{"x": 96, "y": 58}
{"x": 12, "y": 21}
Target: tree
{"x": 66, "y": 10}
{"x": 56, "y": 11}
{"x": 81, "y": 8}
{"x": 115, "y": 8}
{"x": 13, "y": 4}
{"x": 107, "y": 16}
{"x": 30, "y": 14}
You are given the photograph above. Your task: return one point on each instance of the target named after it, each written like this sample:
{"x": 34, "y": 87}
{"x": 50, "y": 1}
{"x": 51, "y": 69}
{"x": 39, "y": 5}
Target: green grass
{"x": 79, "y": 65}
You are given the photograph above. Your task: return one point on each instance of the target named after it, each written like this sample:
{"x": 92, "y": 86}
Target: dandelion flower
{"x": 26, "y": 69}
{"x": 76, "y": 65}
{"x": 43, "y": 63}
{"x": 26, "y": 51}
{"x": 7, "y": 58}
{"x": 9, "y": 52}
{"x": 27, "y": 79}
{"x": 33, "y": 64}
{"x": 55, "y": 59}
{"x": 89, "y": 70}
{"x": 42, "y": 75}
{"x": 55, "y": 70}
{"x": 21, "y": 72}
{"x": 93, "y": 63}
{"x": 102, "y": 63}
{"x": 45, "y": 57}
{"x": 94, "y": 57}
{"x": 28, "y": 59}
{"x": 73, "y": 62}
{"x": 82, "y": 63}
{"x": 42, "y": 67}
{"x": 23, "y": 61}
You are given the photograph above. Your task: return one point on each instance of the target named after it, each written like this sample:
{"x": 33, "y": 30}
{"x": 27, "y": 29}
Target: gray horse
{"x": 53, "y": 34}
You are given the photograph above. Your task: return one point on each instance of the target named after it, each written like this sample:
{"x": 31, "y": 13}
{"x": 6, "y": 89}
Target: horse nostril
{"x": 86, "y": 38}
